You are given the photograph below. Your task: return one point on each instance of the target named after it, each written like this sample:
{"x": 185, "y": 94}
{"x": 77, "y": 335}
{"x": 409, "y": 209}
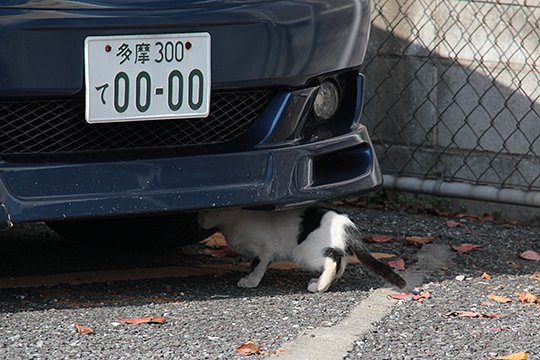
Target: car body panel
{"x": 287, "y": 42}
{"x": 283, "y": 159}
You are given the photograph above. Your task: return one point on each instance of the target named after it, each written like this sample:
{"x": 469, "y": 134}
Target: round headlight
{"x": 326, "y": 101}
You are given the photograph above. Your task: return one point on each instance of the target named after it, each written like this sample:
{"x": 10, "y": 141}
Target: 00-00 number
{"x": 143, "y": 90}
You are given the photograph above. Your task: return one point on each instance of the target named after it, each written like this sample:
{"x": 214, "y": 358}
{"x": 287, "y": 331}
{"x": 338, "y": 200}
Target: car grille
{"x": 52, "y": 126}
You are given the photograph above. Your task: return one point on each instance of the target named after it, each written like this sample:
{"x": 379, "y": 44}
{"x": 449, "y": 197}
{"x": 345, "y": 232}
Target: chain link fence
{"x": 453, "y": 91}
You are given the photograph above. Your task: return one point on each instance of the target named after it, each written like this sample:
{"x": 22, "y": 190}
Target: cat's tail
{"x": 356, "y": 246}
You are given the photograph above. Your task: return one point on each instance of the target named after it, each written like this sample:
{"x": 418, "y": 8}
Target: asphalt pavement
{"x": 208, "y": 317}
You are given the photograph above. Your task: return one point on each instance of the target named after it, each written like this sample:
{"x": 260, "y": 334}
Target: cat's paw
{"x": 246, "y": 282}
{"x": 313, "y": 285}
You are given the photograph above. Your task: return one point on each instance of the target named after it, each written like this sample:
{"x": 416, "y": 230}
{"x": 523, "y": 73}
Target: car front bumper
{"x": 274, "y": 172}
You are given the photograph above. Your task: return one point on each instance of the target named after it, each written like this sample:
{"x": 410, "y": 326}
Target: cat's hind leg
{"x": 332, "y": 267}
{"x": 258, "y": 269}
{"x": 327, "y": 277}
{"x": 342, "y": 267}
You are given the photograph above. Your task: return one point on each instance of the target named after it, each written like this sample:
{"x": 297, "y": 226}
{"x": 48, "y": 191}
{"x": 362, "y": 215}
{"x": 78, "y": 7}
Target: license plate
{"x": 147, "y": 77}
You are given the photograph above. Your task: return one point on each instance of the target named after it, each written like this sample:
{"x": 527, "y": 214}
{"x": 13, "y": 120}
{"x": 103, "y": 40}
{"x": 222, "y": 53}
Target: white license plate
{"x": 147, "y": 77}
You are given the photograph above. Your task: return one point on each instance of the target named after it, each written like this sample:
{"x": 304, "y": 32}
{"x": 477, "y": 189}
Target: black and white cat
{"x": 313, "y": 238}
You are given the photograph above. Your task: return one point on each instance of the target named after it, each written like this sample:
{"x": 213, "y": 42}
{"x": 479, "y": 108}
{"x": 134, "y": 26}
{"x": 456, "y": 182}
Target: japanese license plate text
{"x": 147, "y": 77}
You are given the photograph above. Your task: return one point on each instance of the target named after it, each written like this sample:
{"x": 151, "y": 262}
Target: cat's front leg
{"x": 258, "y": 269}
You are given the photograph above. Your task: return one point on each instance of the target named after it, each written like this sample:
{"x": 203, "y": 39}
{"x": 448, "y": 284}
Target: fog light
{"x": 327, "y": 100}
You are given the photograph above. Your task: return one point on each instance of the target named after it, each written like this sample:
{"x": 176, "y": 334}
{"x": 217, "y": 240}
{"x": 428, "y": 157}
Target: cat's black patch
{"x": 311, "y": 220}
{"x": 334, "y": 254}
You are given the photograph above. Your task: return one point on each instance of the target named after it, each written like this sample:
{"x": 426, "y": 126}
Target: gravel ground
{"x": 208, "y": 316}
{"x": 424, "y": 330}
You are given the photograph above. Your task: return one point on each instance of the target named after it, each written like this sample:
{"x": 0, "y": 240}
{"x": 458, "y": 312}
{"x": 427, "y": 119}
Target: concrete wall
{"x": 453, "y": 90}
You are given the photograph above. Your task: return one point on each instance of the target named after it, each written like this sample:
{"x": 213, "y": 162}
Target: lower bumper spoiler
{"x": 286, "y": 176}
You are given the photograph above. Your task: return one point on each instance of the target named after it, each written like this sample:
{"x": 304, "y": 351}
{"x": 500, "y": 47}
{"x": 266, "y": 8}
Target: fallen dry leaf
{"x": 453, "y": 224}
{"x": 498, "y": 329}
{"x": 82, "y": 329}
{"x": 487, "y": 217}
{"x": 398, "y": 264}
{"x": 438, "y": 212}
{"x": 215, "y": 241}
{"x": 401, "y": 296}
{"x": 514, "y": 265}
{"x": 515, "y": 356}
{"x": 145, "y": 320}
{"x": 382, "y": 256}
{"x": 279, "y": 351}
{"x": 486, "y": 276}
{"x": 465, "y": 248}
{"x": 526, "y": 297}
{"x": 472, "y": 314}
{"x": 422, "y": 296}
{"x": 468, "y": 231}
{"x": 381, "y": 239}
{"x": 411, "y": 297}
{"x": 470, "y": 217}
{"x": 530, "y": 255}
{"x": 249, "y": 348}
{"x": 419, "y": 241}
{"x": 223, "y": 252}
{"x": 497, "y": 298}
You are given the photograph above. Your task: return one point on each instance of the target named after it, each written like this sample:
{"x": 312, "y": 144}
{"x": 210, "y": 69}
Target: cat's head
{"x": 214, "y": 218}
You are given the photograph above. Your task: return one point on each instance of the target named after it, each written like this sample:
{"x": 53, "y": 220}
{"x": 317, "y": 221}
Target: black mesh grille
{"x": 51, "y": 126}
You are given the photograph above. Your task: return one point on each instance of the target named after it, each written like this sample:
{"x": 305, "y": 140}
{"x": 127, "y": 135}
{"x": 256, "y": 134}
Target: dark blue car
{"x": 122, "y": 118}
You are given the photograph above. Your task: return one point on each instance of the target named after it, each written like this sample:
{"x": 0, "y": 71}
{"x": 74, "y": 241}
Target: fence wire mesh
{"x": 453, "y": 90}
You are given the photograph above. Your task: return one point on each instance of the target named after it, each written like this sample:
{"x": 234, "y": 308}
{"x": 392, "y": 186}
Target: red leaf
{"x": 223, "y": 252}
{"x": 216, "y": 240}
{"x": 486, "y": 276}
{"x": 419, "y": 241}
{"x": 515, "y": 356}
{"x": 497, "y": 298}
{"x": 401, "y": 296}
{"x": 526, "y": 297}
{"x": 382, "y": 256}
{"x": 379, "y": 239}
{"x": 249, "y": 348}
{"x": 145, "y": 320}
{"x": 404, "y": 296}
{"x": 82, "y": 330}
{"x": 465, "y": 248}
{"x": 530, "y": 255}
{"x": 469, "y": 217}
{"x": 498, "y": 329}
{"x": 453, "y": 224}
{"x": 487, "y": 217}
{"x": 422, "y": 296}
{"x": 398, "y": 264}
{"x": 468, "y": 231}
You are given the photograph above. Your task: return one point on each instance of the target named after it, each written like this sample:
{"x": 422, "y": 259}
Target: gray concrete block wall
{"x": 453, "y": 90}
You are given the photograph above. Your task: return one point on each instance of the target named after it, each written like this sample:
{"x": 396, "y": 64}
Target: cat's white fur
{"x": 271, "y": 236}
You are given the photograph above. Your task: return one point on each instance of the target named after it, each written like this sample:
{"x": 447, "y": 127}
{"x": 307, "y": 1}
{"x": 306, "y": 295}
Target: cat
{"x": 314, "y": 238}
